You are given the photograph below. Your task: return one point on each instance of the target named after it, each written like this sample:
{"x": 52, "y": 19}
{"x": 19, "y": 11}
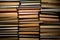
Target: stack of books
{"x": 19, "y": 19}
{"x": 28, "y": 20}
{"x": 49, "y": 20}
{"x": 8, "y": 23}
{"x": 8, "y": 20}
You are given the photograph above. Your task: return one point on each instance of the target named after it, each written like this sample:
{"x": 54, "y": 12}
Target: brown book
{"x": 28, "y": 16}
{"x": 15, "y": 38}
{"x": 9, "y": 3}
{"x": 28, "y": 10}
{"x": 10, "y": 15}
{"x": 28, "y": 32}
{"x": 44, "y": 15}
{"x": 27, "y": 25}
{"x": 49, "y": 34}
{"x": 24, "y": 8}
{"x": 50, "y": 6}
{"x": 49, "y": 30}
{"x": 49, "y": 19}
{"x": 51, "y": 1}
{"x": 28, "y": 20}
{"x": 28, "y": 38}
{"x": 50, "y": 26}
{"x": 8, "y": 9}
{"x": 29, "y": 29}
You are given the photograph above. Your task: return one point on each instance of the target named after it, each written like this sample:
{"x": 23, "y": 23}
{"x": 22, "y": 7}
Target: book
{"x": 15, "y": 38}
{"x": 28, "y": 16}
{"x": 51, "y": 1}
{"x": 49, "y": 26}
{"x": 49, "y": 19}
{"x": 49, "y": 34}
{"x": 30, "y": 4}
{"x": 28, "y": 38}
{"x": 29, "y": 29}
{"x": 8, "y": 6}
{"x": 8, "y": 10}
{"x": 9, "y": 0}
{"x": 51, "y": 10}
{"x": 48, "y": 16}
{"x": 8, "y": 3}
{"x": 28, "y": 20}
{"x": 29, "y": 25}
{"x": 10, "y": 15}
{"x": 28, "y": 10}
{"x": 28, "y": 33}
{"x": 49, "y": 6}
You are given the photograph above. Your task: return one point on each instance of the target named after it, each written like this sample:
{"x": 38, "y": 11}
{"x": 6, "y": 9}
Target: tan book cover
{"x": 28, "y": 10}
{"x": 10, "y": 15}
{"x": 28, "y": 16}
{"x": 44, "y": 15}
{"x": 30, "y": 24}
{"x": 9, "y": 3}
{"x": 7, "y": 9}
{"x": 28, "y": 38}
{"x": 50, "y": 26}
{"x": 49, "y": 19}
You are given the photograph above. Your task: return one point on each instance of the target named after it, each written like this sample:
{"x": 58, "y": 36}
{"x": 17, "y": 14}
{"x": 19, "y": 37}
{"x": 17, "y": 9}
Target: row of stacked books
{"x": 19, "y": 20}
{"x": 8, "y": 20}
{"x": 50, "y": 24}
{"x": 28, "y": 20}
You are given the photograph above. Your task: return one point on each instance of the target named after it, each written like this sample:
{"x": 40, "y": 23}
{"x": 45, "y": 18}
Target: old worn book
{"x": 27, "y": 4}
{"x": 15, "y": 38}
{"x": 49, "y": 26}
{"x": 51, "y": 10}
{"x": 15, "y": 6}
{"x": 10, "y": 15}
{"x": 8, "y": 10}
{"x": 30, "y": 6}
{"x": 28, "y": 16}
{"x": 29, "y": 29}
{"x": 28, "y": 10}
{"x": 28, "y": 33}
{"x": 9, "y": 0}
{"x": 51, "y": 1}
{"x": 24, "y": 8}
{"x": 49, "y": 30}
{"x": 50, "y": 5}
{"x": 49, "y": 19}
{"x": 48, "y": 16}
{"x": 29, "y": 25}
{"x": 8, "y": 3}
{"x": 28, "y": 20}
{"x": 50, "y": 34}
{"x": 28, "y": 38}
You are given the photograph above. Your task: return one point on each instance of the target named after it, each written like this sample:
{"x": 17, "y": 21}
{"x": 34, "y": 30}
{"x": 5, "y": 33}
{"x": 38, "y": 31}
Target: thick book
{"x": 51, "y": 1}
{"x": 29, "y": 25}
{"x": 8, "y": 3}
{"x": 8, "y": 10}
{"x": 29, "y": 29}
{"x": 50, "y": 5}
{"x": 28, "y": 16}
